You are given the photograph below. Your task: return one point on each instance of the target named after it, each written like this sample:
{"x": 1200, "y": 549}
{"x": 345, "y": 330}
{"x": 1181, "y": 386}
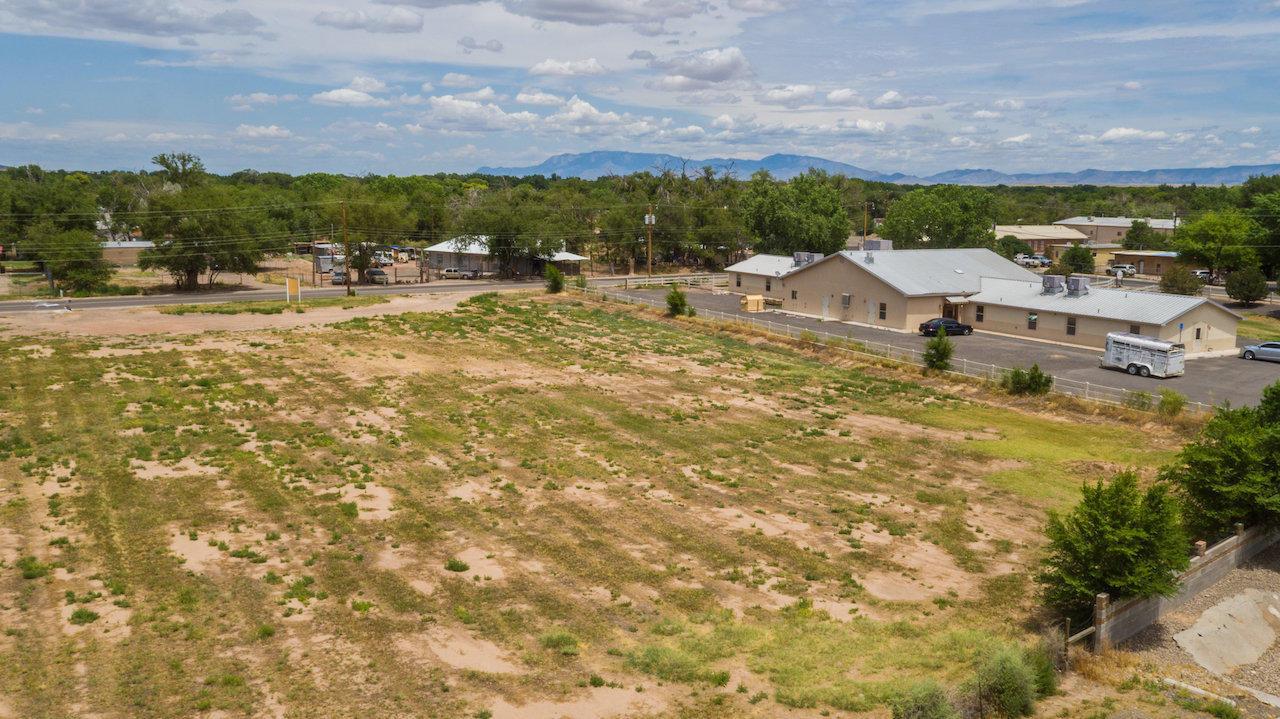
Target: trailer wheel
{"x": 1144, "y": 371}
{"x": 1133, "y": 369}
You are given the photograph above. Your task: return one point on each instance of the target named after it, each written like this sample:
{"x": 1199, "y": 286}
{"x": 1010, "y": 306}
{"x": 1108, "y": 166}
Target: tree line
{"x": 205, "y": 224}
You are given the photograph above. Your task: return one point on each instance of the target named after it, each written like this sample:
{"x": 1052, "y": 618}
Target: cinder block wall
{"x": 1114, "y": 623}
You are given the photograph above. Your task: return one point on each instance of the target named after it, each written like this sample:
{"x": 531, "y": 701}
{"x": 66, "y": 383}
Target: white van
{"x": 1144, "y": 356}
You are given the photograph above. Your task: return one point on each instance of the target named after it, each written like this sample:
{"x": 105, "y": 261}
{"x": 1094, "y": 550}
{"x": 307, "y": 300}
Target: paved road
{"x": 1211, "y": 381}
{"x": 88, "y": 303}
{"x": 250, "y": 294}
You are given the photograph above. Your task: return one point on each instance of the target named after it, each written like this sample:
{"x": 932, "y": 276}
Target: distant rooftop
{"x": 1041, "y": 232}
{"x": 1156, "y": 224}
{"x": 771, "y": 265}
{"x": 463, "y": 245}
{"x": 937, "y": 271}
{"x": 1155, "y": 308}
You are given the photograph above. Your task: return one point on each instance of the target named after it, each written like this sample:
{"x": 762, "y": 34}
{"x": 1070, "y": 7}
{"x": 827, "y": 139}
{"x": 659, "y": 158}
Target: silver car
{"x": 1264, "y": 351}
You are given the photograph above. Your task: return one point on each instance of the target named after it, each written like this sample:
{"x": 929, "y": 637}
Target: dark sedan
{"x": 943, "y": 325}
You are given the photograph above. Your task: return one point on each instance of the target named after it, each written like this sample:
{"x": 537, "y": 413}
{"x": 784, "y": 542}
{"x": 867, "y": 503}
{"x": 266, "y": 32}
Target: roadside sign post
{"x": 292, "y": 288}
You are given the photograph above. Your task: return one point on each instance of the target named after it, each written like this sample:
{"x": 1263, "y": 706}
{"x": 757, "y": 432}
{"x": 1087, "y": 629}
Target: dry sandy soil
{"x": 507, "y": 508}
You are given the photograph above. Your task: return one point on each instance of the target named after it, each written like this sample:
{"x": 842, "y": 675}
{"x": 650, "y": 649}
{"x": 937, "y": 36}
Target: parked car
{"x": 1205, "y": 276}
{"x": 453, "y": 273}
{"x": 1042, "y": 260}
{"x": 1264, "y": 351}
{"x": 379, "y": 277}
{"x": 338, "y": 277}
{"x": 945, "y": 326}
{"x": 1128, "y": 270}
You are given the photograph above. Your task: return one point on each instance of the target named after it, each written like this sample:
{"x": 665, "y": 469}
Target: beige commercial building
{"x": 899, "y": 289}
{"x": 1103, "y": 253}
{"x": 1042, "y": 237}
{"x": 1113, "y": 229}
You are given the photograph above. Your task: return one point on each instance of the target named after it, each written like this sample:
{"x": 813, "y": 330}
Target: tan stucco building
{"x": 899, "y": 289}
{"x": 1113, "y": 229}
{"x": 1042, "y": 237}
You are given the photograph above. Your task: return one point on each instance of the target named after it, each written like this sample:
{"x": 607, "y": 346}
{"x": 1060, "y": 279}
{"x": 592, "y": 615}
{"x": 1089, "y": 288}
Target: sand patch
{"x": 599, "y": 703}
{"x": 771, "y": 525}
{"x": 459, "y": 649}
{"x": 374, "y": 502}
{"x": 186, "y": 467}
{"x": 481, "y": 564}
{"x": 471, "y": 490}
{"x": 146, "y": 321}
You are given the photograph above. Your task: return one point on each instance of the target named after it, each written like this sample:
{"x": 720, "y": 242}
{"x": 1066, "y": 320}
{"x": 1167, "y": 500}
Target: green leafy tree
{"x": 804, "y": 215}
{"x": 1178, "y": 280}
{"x": 1140, "y": 236}
{"x": 677, "y": 302}
{"x": 202, "y": 230}
{"x": 555, "y": 279}
{"x": 74, "y": 259}
{"x": 1078, "y": 259}
{"x": 1120, "y": 539}
{"x": 1248, "y": 285}
{"x": 1010, "y": 247}
{"x": 941, "y": 216}
{"x": 1219, "y": 241}
{"x": 923, "y": 700}
{"x": 1231, "y": 472}
{"x": 938, "y": 351}
{"x": 181, "y": 168}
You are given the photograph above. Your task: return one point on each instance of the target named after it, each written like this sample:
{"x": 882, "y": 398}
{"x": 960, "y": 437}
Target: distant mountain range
{"x": 592, "y": 165}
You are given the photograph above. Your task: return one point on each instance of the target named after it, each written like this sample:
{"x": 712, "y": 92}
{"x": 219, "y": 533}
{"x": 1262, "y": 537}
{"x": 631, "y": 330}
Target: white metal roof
{"x": 934, "y": 272}
{"x": 1154, "y": 308}
{"x": 1148, "y": 253}
{"x": 771, "y": 265}
{"x": 1041, "y": 232}
{"x": 464, "y": 245}
{"x": 1156, "y": 223}
{"x": 567, "y": 257}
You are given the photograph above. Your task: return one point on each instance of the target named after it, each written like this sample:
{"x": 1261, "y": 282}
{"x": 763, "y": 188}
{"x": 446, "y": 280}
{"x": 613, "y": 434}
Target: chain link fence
{"x": 1115, "y": 396}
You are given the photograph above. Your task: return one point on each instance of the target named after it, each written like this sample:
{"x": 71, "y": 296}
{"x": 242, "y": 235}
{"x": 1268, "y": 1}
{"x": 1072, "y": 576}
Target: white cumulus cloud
{"x": 260, "y": 132}
{"x": 393, "y": 20}
{"x": 788, "y": 95}
{"x": 455, "y": 79}
{"x": 569, "y": 68}
{"x": 534, "y": 96}
{"x": 844, "y": 96}
{"x": 345, "y": 96}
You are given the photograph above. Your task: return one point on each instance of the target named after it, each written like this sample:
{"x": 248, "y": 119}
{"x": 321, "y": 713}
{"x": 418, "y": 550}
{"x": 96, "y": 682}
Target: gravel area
{"x": 1156, "y": 643}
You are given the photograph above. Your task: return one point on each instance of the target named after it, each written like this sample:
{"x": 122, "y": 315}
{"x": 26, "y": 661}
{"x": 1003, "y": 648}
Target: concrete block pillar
{"x": 1240, "y": 530}
{"x": 1100, "y": 607}
{"x": 1201, "y": 548}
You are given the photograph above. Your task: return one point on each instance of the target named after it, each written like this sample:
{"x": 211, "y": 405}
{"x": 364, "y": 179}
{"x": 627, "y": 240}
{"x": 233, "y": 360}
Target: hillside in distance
{"x": 602, "y": 163}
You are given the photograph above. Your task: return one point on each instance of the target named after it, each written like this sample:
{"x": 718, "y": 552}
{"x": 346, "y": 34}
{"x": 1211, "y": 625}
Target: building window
{"x": 846, "y": 300}
{"x": 793, "y": 294}
{"x": 737, "y": 280}
{"x": 884, "y": 311}
{"x": 768, "y": 285}
{"x": 1032, "y": 320}
{"x": 1071, "y": 326}
{"x": 1157, "y": 268}
{"x": 979, "y": 311}
{"x": 1135, "y": 329}
{"x": 1197, "y": 333}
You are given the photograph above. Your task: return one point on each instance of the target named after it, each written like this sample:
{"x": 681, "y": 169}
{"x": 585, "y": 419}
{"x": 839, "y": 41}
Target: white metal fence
{"x": 1133, "y": 399}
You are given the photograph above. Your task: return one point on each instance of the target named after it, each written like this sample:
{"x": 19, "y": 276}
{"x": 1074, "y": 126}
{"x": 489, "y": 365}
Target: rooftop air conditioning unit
{"x": 1077, "y": 286}
{"x": 804, "y": 258}
{"x": 1052, "y": 284}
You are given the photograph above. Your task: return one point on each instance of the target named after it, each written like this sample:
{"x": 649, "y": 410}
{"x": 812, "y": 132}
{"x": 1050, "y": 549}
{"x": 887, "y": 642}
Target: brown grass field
{"x": 521, "y": 507}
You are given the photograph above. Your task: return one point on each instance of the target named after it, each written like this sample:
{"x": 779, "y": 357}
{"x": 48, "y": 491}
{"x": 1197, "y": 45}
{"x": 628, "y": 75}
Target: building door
{"x": 1142, "y": 266}
{"x": 949, "y": 311}
{"x": 826, "y": 305}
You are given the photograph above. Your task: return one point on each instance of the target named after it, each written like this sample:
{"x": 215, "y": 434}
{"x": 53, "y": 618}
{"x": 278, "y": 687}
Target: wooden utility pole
{"x": 864, "y": 225}
{"x": 346, "y": 247}
{"x": 649, "y": 219}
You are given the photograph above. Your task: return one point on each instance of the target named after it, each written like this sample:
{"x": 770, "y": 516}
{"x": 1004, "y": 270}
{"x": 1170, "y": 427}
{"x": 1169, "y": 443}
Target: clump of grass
{"x": 265, "y": 631}
{"x": 563, "y": 642}
{"x": 349, "y": 509}
{"x": 456, "y": 565}
{"x": 32, "y": 568}
{"x": 83, "y": 616}
{"x": 677, "y": 666}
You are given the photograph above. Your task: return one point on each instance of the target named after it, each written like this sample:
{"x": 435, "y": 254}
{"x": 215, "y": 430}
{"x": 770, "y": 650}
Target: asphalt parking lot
{"x": 1212, "y": 381}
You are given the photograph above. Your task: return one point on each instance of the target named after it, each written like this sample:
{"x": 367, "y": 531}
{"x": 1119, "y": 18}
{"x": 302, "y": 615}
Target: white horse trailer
{"x": 1144, "y": 356}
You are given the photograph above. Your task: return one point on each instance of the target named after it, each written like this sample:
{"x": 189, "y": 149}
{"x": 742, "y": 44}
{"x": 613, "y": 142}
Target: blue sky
{"x": 409, "y": 86}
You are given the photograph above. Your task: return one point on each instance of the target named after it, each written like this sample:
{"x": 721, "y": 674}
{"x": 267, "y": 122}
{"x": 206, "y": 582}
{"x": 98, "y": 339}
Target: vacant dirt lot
{"x": 511, "y": 507}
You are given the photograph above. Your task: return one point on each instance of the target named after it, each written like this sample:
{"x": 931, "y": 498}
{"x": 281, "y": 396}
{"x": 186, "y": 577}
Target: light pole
{"x": 649, "y": 221}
